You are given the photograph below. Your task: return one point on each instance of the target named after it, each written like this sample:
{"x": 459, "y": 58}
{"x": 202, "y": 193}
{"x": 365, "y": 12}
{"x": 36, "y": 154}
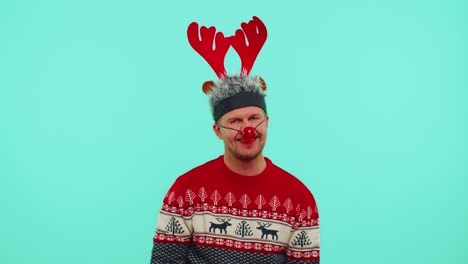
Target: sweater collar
{"x": 239, "y": 178}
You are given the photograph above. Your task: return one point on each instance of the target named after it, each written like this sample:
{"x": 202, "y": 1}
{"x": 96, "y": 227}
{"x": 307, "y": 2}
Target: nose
{"x": 249, "y": 133}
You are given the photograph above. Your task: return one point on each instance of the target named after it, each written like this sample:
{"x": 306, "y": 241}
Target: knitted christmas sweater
{"x": 213, "y": 215}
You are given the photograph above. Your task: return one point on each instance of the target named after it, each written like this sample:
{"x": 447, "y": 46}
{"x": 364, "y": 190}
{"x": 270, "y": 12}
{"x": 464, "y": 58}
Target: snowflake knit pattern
{"x": 213, "y": 215}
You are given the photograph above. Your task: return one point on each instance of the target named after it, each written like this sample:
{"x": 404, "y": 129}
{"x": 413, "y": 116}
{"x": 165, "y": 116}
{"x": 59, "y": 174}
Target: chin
{"x": 248, "y": 155}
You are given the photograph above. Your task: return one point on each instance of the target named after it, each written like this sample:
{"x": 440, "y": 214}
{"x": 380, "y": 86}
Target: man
{"x": 240, "y": 207}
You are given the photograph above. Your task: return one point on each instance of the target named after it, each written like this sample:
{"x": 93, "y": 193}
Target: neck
{"x": 247, "y": 168}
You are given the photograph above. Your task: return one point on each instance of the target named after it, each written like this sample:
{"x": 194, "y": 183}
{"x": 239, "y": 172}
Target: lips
{"x": 248, "y": 141}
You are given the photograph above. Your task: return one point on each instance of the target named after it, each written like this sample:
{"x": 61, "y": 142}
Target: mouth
{"x": 248, "y": 141}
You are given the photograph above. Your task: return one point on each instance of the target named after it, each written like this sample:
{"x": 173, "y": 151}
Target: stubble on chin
{"x": 247, "y": 157}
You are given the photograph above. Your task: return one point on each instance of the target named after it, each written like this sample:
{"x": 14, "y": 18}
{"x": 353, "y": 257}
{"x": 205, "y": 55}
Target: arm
{"x": 173, "y": 231}
{"x": 304, "y": 246}
{"x": 304, "y": 242}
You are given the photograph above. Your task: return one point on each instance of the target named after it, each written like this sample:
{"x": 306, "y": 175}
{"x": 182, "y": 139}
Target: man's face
{"x": 234, "y": 144}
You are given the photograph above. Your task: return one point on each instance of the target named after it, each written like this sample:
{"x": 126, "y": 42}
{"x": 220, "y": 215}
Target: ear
{"x": 208, "y": 86}
{"x": 262, "y": 83}
{"x": 217, "y": 130}
{"x": 267, "y": 118}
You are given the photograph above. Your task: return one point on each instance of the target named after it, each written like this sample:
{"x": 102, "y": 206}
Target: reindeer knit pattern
{"x": 213, "y": 215}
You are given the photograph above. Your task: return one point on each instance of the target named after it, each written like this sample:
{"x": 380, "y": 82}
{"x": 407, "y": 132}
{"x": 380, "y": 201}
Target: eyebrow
{"x": 232, "y": 119}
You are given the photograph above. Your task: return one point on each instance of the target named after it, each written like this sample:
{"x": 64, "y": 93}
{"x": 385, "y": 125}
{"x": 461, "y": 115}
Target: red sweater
{"x": 214, "y": 215}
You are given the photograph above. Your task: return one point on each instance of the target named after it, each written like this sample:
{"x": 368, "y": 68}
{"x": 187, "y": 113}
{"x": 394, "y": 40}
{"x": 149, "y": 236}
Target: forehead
{"x": 243, "y": 112}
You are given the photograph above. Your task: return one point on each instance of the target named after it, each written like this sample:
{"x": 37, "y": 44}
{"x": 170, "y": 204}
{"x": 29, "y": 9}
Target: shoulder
{"x": 284, "y": 176}
{"x": 198, "y": 173}
{"x": 190, "y": 181}
{"x": 203, "y": 168}
{"x": 298, "y": 189}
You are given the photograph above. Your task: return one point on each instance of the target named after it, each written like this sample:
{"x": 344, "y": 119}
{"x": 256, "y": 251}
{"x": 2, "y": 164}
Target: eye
{"x": 254, "y": 118}
{"x": 234, "y": 121}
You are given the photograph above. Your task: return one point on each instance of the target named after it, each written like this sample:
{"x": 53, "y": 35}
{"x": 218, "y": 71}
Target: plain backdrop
{"x": 101, "y": 109}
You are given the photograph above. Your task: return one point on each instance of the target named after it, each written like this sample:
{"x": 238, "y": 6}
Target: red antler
{"x": 256, "y": 34}
{"x": 204, "y": 47}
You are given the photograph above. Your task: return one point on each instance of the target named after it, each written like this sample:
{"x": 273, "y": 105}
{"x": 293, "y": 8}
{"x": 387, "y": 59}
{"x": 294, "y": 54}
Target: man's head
{"x": 237, "y": 101}
{"x": 235, "y": 92}
{"x": 228, "y": 128}
{"x": 239, "y": 110}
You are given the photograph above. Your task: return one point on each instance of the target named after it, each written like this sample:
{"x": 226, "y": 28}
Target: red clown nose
{"x": 248, "y": 133}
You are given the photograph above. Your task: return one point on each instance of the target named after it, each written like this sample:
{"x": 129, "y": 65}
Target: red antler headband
{"x": 256, "y": 34}
{"x": 215, "y": 58}
{"x": 254, "y": 30}
{"x": 236, "y": 91}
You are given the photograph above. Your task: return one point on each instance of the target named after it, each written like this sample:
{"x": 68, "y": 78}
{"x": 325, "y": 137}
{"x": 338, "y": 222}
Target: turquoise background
{"x": 101, "y": 109}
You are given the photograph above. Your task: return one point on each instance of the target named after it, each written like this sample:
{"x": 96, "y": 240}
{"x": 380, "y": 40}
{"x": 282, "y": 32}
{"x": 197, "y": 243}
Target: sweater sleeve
{"x": 173, "y": 230}
{"x": 304, "y": 242}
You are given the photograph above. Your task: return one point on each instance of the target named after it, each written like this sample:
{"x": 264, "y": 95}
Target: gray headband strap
{"x": 239, "y": 100}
